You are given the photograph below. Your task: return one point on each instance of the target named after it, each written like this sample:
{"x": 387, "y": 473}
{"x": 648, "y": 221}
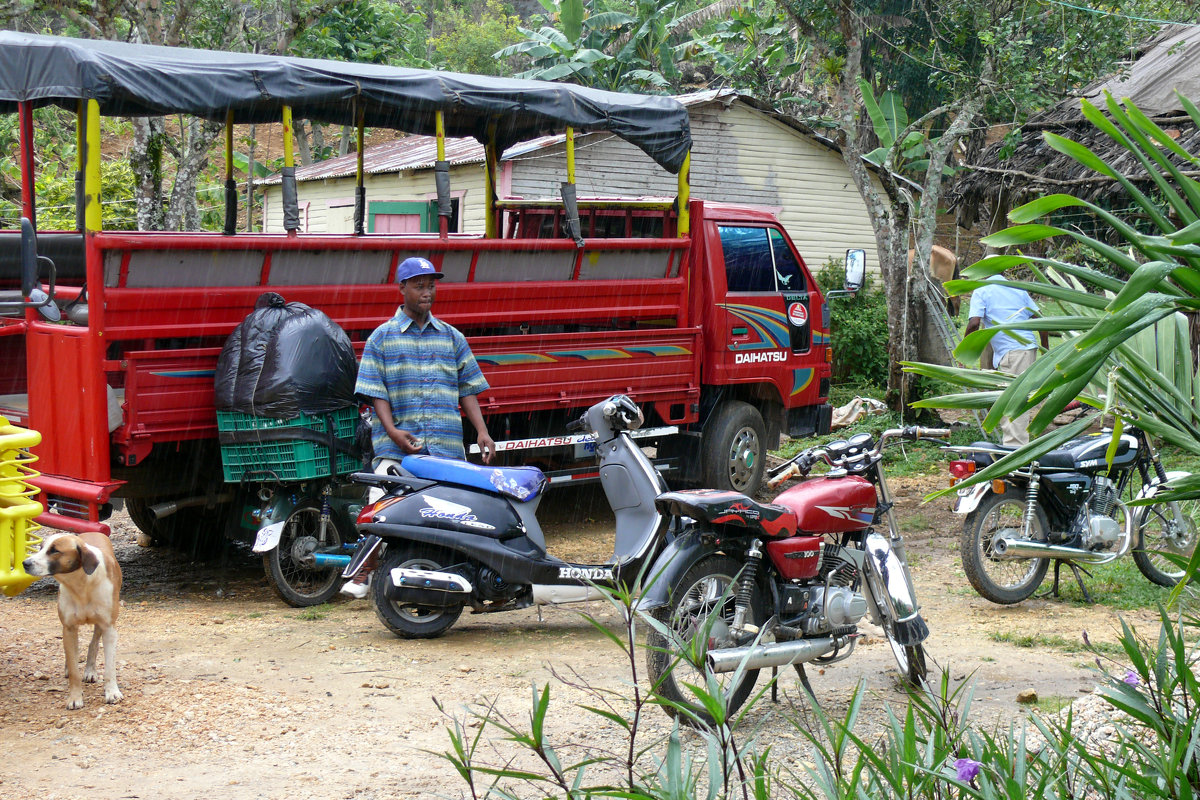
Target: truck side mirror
{"x": 856, "y": 270}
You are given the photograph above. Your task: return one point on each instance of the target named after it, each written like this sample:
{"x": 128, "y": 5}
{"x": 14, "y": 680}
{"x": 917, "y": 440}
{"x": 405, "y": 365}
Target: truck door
{"x": 767, "y": 305}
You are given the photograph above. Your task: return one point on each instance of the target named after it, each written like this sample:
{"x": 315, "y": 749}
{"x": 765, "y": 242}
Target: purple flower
{"x": 1131, "y": 678}
{"x": 967, "y": 769}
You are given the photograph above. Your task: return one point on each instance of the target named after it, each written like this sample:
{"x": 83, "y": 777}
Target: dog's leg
{"x": 89, "y": 668}
{"x": 71, "y": 650}
{"x": 111, "y": 693}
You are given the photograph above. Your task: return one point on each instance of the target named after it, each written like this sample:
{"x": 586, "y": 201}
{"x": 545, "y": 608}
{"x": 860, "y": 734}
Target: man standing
{"x": 418, "y": 371}
{"x": 1013, "y": 351}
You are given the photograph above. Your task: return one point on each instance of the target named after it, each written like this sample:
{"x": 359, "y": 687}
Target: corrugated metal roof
{"x": 406, "y": 153}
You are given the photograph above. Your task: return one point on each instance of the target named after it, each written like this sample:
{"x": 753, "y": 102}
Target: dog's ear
{"x": 88, "y": 558}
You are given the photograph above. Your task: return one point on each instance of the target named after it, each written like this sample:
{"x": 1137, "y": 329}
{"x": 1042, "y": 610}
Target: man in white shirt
{"x": 1012, "y": 351}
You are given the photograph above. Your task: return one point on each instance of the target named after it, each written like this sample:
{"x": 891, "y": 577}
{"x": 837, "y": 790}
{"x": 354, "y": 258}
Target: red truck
{"x": 704, "y": 313}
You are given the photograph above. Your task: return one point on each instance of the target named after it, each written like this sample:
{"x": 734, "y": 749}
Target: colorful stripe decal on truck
{"x": 771, "y": 327}
{"x": 509, "y": 359}
{"x": 801, "y": 380}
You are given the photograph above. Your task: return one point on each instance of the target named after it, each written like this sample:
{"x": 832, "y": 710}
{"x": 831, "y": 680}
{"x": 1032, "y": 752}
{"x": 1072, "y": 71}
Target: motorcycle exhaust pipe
{"x": 776, "y": 654}
{"x": 163, "y": 510}
{"x": 421, "y": 587}
{"x": 1023, "y": 548}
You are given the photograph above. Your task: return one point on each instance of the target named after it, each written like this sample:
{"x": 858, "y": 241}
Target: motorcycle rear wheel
{"x": 1001, "y": 580}
{"x": 408, "y": 621}
{"x": 298, "y": 585}
{"x": 709, "y": 587}
{"x": 1160, "y": 532}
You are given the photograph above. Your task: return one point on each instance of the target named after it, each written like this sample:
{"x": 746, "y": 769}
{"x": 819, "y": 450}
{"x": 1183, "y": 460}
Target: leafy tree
{"x": 953, "y": 64}
{"x": 466, "y": 40}
{"x": 621, "y": 47}
{"x": 1099, "y": 314}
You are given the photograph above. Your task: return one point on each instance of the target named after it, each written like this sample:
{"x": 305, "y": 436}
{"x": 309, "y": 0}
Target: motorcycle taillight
{"x": 961, "y": 470}
{"x": 368, "y": 513}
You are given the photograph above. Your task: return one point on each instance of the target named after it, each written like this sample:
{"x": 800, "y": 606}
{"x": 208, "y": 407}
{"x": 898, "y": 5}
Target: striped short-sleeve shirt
{"x": 422, "y": 371}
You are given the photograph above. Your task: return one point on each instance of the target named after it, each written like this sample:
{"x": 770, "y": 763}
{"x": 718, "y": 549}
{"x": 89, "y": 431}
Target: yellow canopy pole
{"x": 570, "y": 155}
{"x": 442, "y": 175}
{"x": 685, "y": 193}
{"x": 489, "y": 184}
{"x": 291, "y": 206}
{"x": 80, "y": 157}
{"x": 230, "y": 181}
{"x": 92, "y": 217}
{"x": 360, "y": 188}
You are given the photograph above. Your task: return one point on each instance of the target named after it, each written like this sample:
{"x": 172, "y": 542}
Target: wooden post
{"x": 489, "y": 184}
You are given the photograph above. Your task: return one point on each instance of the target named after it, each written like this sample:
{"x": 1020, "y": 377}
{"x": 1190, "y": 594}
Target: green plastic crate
{"x": 285, "y": 460}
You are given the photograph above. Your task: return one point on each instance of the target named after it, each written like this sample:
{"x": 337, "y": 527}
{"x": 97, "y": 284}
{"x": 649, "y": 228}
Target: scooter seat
{"x": 519, "y": 483}
{"x": 728, "y": 508}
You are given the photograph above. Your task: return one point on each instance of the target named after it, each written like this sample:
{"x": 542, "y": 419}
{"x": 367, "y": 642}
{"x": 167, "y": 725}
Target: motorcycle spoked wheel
{"x": 409, "y": 621}
{"x": 709, "y": 587}
{"x": 1159, "y": 531}
{"x": 297, "y": 584}
{"x": 1001, "y": 580}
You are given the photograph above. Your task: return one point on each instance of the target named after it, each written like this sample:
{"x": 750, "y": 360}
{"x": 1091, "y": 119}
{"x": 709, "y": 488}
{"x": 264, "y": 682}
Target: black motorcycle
{"x": 1071, "y": 507}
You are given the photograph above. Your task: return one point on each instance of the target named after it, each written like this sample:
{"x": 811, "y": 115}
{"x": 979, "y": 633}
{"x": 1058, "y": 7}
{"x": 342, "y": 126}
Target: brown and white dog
{"x": 89, "y": 592}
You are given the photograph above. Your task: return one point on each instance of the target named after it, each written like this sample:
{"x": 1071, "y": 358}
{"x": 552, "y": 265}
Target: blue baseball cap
{"x": 414, "y": 267}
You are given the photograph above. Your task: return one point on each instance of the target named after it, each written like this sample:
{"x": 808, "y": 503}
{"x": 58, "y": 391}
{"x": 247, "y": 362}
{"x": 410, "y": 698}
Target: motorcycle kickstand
{"x": 803, "y": 682}
{"x": 1076, "y": 569}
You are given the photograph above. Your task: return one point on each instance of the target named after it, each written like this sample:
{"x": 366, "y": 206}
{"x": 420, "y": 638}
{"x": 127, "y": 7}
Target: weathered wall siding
{"x": 406, "y": 187}
{"x": 739, "y": 155}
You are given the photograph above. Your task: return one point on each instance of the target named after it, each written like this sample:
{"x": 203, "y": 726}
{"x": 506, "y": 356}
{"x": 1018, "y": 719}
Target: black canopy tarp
{"x": 146, "y": 80}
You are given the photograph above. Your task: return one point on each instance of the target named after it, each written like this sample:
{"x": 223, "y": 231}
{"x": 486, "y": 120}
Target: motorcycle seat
{"x": 729, "y": 508}
{"x": 984, "y": 459}
{"x": 520, "y": 483}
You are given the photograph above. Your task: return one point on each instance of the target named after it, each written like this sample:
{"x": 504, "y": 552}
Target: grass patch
{"x": 1061, "y": 643}
{"x": 314, "y": 613}
{"x": 1119, "y": 585}
{"x": 1048, "y": 706}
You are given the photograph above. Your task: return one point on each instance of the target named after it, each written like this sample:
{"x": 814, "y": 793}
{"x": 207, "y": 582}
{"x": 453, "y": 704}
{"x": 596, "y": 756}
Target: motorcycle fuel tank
{"x": 454, "y": 509}
{"x": 831, "y": 505}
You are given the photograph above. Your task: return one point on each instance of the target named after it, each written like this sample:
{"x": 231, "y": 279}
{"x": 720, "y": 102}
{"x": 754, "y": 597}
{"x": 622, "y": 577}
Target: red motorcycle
{"x": 770, "y": 584}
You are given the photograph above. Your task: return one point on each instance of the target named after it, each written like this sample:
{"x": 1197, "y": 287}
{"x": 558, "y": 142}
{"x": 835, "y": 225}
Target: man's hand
{"x": 405, "y": 441}
{"x": 487, "y": 448}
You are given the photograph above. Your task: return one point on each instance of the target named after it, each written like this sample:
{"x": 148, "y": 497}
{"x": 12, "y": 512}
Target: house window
{"x": 418, "y": 216}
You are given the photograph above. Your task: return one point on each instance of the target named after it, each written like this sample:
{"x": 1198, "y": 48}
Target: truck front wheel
{"x": 734, "y": 448}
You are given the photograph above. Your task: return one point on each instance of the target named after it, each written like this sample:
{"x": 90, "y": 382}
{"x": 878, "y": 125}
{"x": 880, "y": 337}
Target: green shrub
{"x": 858, "y": 330}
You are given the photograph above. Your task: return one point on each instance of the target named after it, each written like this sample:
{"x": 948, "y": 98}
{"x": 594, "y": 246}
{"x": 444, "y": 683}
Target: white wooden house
{"x": 742, "y": 153}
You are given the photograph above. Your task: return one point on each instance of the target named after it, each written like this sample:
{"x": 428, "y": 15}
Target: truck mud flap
{"x": 810, "y": 420}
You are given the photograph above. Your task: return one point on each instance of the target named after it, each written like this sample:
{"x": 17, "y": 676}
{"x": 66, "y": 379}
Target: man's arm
{"x": 973, "y": 324}
{"x": 403, "y": 439}
{"x": 470, "y": 407}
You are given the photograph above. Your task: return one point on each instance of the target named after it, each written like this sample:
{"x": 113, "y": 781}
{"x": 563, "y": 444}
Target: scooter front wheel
{"x": 405, "y": 620}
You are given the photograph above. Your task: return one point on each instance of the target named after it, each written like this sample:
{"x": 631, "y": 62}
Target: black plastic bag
{"x": 283, "y": 360}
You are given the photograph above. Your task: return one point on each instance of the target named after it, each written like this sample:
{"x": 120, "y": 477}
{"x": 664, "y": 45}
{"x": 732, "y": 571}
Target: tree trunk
{"x": 146, "y": 162}
{"x": 197, "y": 137}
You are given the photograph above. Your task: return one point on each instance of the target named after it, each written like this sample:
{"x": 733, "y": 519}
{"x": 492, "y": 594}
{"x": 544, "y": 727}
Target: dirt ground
{"x": 230, "y": 693}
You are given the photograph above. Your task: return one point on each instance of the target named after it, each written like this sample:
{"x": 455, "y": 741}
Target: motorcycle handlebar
{"x": 803, "y": 462}
{"x": 577, "y": 425}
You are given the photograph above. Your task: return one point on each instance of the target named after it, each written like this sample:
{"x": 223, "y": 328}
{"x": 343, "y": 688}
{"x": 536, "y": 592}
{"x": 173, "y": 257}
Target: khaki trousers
{"x": 1015, "y": 432}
